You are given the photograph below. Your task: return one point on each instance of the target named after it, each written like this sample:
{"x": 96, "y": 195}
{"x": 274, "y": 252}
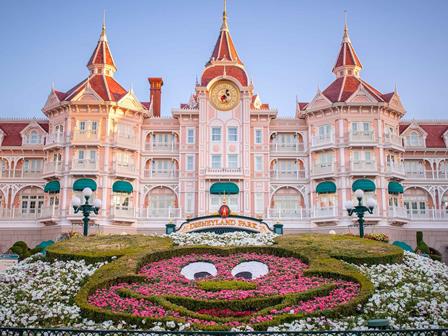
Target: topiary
{"x": 435, "y": 254}
{"x": 421, "y": 248}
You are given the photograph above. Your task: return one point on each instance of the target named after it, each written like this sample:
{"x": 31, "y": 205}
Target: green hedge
{"x": 125, "y": 269}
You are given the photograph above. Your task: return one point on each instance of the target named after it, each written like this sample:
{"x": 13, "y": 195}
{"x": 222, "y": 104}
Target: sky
{"x": 288, "y": 47}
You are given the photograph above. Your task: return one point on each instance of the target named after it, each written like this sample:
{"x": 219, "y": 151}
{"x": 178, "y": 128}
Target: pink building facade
{"x": 149, "y": 169}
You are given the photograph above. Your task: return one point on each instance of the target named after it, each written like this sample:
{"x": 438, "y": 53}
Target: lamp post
{"x": 86, "y": 208}
{"x": 360, "y": 209}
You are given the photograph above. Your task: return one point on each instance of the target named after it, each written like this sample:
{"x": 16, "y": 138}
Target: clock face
{"x": 224, "y": 95}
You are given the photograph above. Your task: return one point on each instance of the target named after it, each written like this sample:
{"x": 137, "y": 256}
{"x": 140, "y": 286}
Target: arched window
{"x": 415, "y": 139}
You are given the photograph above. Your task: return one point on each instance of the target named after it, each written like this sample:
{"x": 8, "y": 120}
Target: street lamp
{"x": 86, "y": 208}
{"x": 360, "y": 209}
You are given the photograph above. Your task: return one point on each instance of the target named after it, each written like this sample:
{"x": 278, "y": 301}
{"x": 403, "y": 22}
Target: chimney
{"x": 155, "y": 94}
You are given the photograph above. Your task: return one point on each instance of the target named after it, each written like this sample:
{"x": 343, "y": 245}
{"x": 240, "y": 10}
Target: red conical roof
{"x": 102, "y": 56}
{"x": 347, "y": 56}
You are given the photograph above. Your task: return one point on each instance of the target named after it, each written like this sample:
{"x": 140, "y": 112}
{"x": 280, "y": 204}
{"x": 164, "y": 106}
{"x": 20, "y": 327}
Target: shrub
{"x": 215, "y": 286}
{"x": 23, "y": 251}
{"x": 378, "y": 237}
{"x": 421, "y": 248}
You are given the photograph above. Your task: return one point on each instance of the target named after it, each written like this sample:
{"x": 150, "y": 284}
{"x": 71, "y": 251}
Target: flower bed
{"x": 225, "y": 239}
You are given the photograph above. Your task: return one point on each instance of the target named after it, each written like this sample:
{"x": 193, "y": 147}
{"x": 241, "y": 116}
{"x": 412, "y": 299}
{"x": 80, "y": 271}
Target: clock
{"x": 224, "y": 95}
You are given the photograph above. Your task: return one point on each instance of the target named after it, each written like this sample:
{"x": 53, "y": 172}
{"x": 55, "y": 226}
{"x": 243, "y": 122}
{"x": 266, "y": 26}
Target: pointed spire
{"x": 347, "y": 63}
{"x": 101, "y": 61}
{"x": 224, "y": 49}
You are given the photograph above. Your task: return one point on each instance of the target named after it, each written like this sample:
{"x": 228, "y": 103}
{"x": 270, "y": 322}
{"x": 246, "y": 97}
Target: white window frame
{"x": 189, "y": 162}
{"x": 213, "y": 163}
{"x": 191, "y": 138}
{"x": 258, "y": 135}
{"x": 216, "y": 137}
{"x": 232, "y": 137}
{"x": 235, "y": 163}
{"x": 258, "y": 163}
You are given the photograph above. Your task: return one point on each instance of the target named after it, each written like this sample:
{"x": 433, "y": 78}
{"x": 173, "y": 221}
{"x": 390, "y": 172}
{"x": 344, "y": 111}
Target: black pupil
{"x": 244, "y": 275}
{"x": 200, "y": 275}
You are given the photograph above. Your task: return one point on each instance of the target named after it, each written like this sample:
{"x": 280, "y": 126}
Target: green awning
{"x": 365, "y": 185}
{"x": 52, "y": 187}
{"x": 327, "y": 187}
{"x": 122, "y": 187}
{"x": 227, "y": 188}
{"x": 395, "y": 188}
{"x": 80, "y": 184}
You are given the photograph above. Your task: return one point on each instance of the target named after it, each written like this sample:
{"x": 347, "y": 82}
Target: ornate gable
{"x": 318, "y": 101}
{"x": 361, "y": 95}
{"x": 52, "y": 101}
{"x": 130, "y": 101}
{"x": 87, "y": 94}
{"x": 395, "y": 102}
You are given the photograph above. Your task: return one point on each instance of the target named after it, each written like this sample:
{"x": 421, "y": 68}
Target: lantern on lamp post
{"x": 360, "y": 209}
{"x": 86, "y": 208}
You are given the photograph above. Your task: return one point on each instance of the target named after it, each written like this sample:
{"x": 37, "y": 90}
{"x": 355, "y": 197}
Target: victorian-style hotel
{"x": 149, "y": 169}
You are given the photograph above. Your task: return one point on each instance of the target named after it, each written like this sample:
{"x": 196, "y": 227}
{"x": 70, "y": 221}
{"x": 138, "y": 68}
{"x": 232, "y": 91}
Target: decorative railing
{"x": 85, "y": 136}
{"x": 362, "y": 136}
{"x": 323, "y": 168}
{"x": 84, "y": 164}
{"x": 395, "y": 169}
{"x": 49, "y": 212}
{"x": 398, "y": 212}
{"x": 295, "y": 213}
{"x": 54, "y": 139}
{"x": 364, "y": 166}
{"x": 287, "y": 174}
{"x": 157, "y": 146}
{"x": 393, "y": 139}
{"x": 126, "y": 140}
{"x": 53, "y": 167}
{"x": 419, "y": 174}
{"x": 159, "y": 213}
{"x": 287, "y": 147}
{"x": 223, "y": 171}
{"x": 27, "y": 173}
{"x": 161, "y": 173}
{"x": 123, "y": 212}
{"x": 318, "y": 140}
{"x": 325, "y": 212}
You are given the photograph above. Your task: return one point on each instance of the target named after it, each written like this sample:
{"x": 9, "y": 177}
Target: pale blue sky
{"x": 288, "y": 47}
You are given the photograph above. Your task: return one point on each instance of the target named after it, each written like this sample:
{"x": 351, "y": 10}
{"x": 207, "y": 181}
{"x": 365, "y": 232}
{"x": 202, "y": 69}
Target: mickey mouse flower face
{"x": 230, "y": 290}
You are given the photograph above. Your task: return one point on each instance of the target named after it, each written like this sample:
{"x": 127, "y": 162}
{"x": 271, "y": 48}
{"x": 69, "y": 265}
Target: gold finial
{"x": 224, "y": 17}
{"x": 103, "y": 36}
{"x": 345, "y": 38}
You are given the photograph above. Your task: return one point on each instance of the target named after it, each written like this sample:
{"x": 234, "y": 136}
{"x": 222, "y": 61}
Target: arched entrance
{"x": 287, "y": 202}
{"x": 161, "y": 202}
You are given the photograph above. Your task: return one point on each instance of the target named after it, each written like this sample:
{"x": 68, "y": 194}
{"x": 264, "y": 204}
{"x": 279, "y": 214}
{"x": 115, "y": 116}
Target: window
{"x": 232, "y": 161}
{"x": 92, "y": 156}
{"x": 190, "y": 136}
{"x": 232, "y": 134}
{"x": 190, "y": 163}
{"x": 94, "y": 126}
{"x": 216, "y": 161}
{"x": 82, "y": 126}
{"x": 362, "y": 156}
{"x": 217, "y": 200}
{"x": 32, "y": 204}
{"x": 34, "y": 138}
{"x": 326, "y": 159}
{"x": 259, "y": 202}
{"x": 415, "y": 139}
{"x": 124, "y": 131}
{"x": 32, "y": 165}
{"x": 258, "y": 136}
{"x": 81, "y": 155}
{"x": 189, "y": 202}
{"x": 361, "y": 128}
{"x": 121, "y": 201}
{"x": 324, "y": 131}
{"x": 216, "y": 133}
{"x": 258, "y": 163}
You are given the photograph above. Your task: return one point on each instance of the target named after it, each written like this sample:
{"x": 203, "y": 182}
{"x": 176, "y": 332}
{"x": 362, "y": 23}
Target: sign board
{"x": 8, "y": 261}
{"x": 238, "y": 223}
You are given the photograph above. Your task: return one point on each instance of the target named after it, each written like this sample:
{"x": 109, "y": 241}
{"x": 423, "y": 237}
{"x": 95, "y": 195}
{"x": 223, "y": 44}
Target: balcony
{"x": 324, "y": 168}
{"x": 164, "y": 213}
{"x": 125, "y": 140}
{"x": 322, "y": 141}
{"x": 84, "y": 165}
{"x": 19, "y": 213}
{"x": 329, "y": 212}
{"x": 124, "y": 169}
{"x": 156, "y": 146}
{"x": 27, "y": 173}
{"x": 54, "y": 140}
{"x": 50, "y": 212}
{"x": 84, "y": 136}
{"x": 362, "y": 137}
{"x": 393, "y": 140}
{"x": 123, "y": 212}
{"x": 297, "y": 213}
{"x": 161, "y": 173}
{"x": 285, "y": 148}
{"x": 364, "y": 166}
{"x": 223, "y": 171}
{"x": 398, "y": 212}
{"x": 395, "y": 169}
{"x": 53, "y": 167}
{"x": 287, "y": 174}
{"x": 419, "y": 174}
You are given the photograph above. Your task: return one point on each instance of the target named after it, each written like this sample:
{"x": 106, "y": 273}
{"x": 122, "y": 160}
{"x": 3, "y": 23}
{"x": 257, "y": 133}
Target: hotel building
{"x": 149, "y": 169}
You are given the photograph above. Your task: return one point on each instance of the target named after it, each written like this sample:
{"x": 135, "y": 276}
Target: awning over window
{"x": 363, "y": 184}
{"x": 122, "y": 186}
{"x": 327, "y": 187}
{"x": 395, "y": 188}
{"x": 52, "y": 187}
{"x": 80, "y": 184}
{"x": 220, "y": 188}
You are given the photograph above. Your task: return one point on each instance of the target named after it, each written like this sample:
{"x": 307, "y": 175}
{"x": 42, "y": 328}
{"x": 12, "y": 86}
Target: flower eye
{"x": 250, "y": 270}
{"x": 198, "y": 270}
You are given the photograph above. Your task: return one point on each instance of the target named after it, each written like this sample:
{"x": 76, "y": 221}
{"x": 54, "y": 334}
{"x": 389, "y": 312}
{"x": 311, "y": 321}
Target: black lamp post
{"x": 86, "y": 208}
{"x": 360, "y": 209}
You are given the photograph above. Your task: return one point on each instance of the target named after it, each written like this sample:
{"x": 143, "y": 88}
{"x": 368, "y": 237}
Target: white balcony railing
{"x": 318, "y": 140}
{"x": 27, "y": 173}
{"x": 325, "y": 212}
{"x": 395, "y": 169}
{"x": 442, "y": 174}
{"x": 19, "y": 213}
{"x": 393, "y": 139}
{"x": 157, "y": 146}
{"x": 84, "y": 164}
{"x": 287, "y": 147}
{"x": 324, "y": 168}
{"x": 54, "y": 139}
{"x": 85, "y": 136}
{"x": 287, "y": 174}
{"x": 165, "y": 213}
{"x": 398, "y": 212}
{"x": 419, "y": 174}
{"x": 49, "y": 212}
{"x": 223, "y": 171}
{"x": 123, "y": 212}
{"x": 53, "y": 167}
{"x": 362, "y": 136}
{"x": 125, "y": 139}
{"x": 295, "y": 213}
{"x": 161, "y": 173}
{"x": 364, "y": 166}
{"x": 124, "y": 168}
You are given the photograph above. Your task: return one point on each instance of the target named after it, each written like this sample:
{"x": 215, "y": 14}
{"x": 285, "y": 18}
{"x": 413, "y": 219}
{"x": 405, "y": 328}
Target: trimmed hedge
{"x": 216, "y": 286}
{"x": 125, "y": 269}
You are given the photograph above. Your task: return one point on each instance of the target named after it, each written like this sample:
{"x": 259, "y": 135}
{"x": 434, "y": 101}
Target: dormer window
{"x": 415, "y": 139}
{"x": 34, "y": 138}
